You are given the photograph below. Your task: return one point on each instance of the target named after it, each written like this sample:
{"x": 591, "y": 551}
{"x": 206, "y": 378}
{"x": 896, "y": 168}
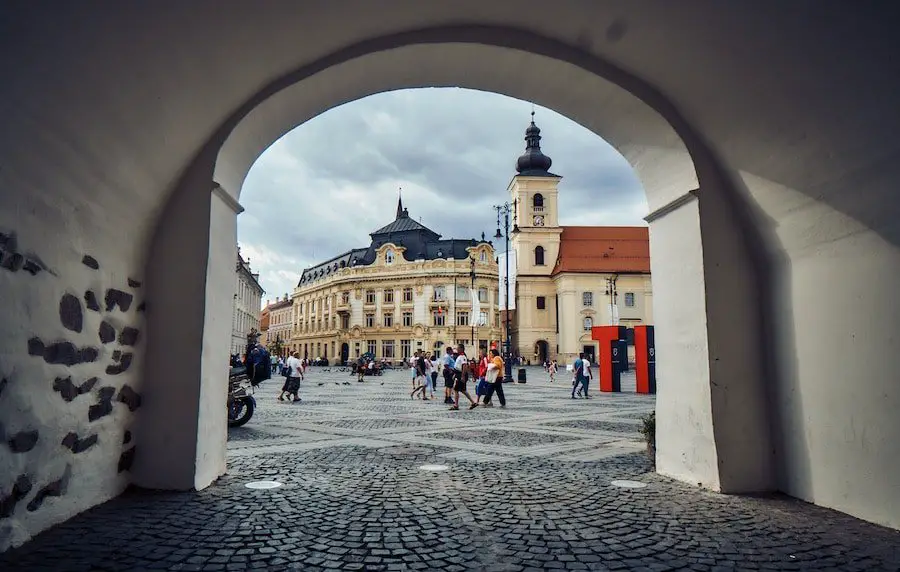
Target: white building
{"x": 246, "y": 308}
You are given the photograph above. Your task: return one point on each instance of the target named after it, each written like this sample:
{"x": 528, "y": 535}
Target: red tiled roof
{"x": 604, "y": 249}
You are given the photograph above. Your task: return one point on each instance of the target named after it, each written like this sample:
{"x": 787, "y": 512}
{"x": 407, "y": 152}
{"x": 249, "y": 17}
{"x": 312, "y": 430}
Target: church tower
{"x": 535, "y": 241}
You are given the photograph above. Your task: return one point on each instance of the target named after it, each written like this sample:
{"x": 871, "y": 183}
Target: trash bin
{"x": 521, "y": 375}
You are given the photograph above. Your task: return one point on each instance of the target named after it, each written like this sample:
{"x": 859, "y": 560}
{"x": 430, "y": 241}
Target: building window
{"x": 541, "y": 303}
{"x": 407, "y": 295}
{"x": 388, "y": 320}
{"x": 538, "y": 201}
{"x": 587, "y": 299}
{"x": 538, "y": 255}
{"x": 345, "y": 297}
{"x": 389, "y": 257}
{"x": 440, "y": 294}
{"x": 356, "y": 349}
{"x": 387, "y": 349}
{"x": 483, "y": 256}
{"x": 407, "y": 319}
{"x": 462, "y": 318}
{"x": 629, "y": 299}
{"x": 314, "y": 307}
{"x": 439, "y": 318}
{"x": 370, "y": 320}
{"x": 482, "y": 318}
{"x": 462, "y": 293}
{"x": 482, "y": 295}
{"x": 405, "y": 349}
{"x": 370, "y": 346}
{"x": 345, "y": 322}
{"x": 497, "y": 319}
{"x": 588, "y": 324}
{"x": 370, "y": 296}
{"x": 388, "y": 296}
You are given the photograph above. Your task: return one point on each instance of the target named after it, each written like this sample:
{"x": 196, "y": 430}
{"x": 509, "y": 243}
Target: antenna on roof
{"x": 532, "y": 112}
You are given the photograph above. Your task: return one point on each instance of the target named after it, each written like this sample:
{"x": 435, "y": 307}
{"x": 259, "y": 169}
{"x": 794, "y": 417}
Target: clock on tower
{"x": 538, "y": 220}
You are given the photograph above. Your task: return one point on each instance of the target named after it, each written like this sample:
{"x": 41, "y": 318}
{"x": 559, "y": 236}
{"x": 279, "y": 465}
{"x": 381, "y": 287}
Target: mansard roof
{"x": 419, "y": 243}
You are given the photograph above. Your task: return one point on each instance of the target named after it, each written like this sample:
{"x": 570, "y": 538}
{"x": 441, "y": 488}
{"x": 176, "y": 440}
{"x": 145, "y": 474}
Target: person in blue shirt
{"x": 580, "y": 377}
{"x": 448, "y": 361}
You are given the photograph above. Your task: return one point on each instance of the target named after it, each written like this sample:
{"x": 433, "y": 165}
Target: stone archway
{"x": 794, "y": 181}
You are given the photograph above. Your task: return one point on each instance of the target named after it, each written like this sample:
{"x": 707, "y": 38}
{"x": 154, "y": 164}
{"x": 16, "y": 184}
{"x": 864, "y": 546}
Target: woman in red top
{"x": 481, "y": 371}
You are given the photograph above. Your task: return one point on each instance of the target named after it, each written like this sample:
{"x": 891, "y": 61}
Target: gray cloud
{"x": 323, "y": 187}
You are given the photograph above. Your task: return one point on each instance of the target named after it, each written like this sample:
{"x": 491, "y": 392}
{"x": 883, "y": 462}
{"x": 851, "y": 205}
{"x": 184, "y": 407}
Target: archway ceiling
{"x": 119, "y": 98}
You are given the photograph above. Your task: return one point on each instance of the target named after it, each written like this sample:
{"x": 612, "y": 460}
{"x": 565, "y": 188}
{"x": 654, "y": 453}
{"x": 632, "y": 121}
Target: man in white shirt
{"x": 295, "y": 374}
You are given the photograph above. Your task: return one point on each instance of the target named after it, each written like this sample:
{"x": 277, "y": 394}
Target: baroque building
{"x": 246, "y": 308}
{"x": 569, "y": 278}
{"x": 408, "y": 290}
{"x": 276, "y": 325}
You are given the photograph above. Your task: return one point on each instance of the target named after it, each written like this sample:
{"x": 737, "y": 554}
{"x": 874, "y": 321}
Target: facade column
{"x": 712, "y": 412}
{"x": 181, "y": 432}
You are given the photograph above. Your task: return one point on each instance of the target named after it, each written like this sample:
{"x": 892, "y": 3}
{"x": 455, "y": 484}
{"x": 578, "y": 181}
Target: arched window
{"x": 389, "y": 257}
{"x": 539, "y": 256}
{"x": 588, "y": 324}
{"x": 483, "y": 256}
{"x": 538, "y": 201}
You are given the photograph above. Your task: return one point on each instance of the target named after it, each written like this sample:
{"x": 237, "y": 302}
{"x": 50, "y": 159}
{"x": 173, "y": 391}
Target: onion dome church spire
{"x": 533, "y": 163}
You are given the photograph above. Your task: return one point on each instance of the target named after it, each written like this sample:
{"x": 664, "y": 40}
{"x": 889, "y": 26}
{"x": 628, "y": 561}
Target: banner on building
{"x": 501, "y": 258}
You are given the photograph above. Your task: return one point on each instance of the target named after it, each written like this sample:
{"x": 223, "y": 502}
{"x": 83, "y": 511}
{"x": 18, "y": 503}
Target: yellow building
{"x": 569, "y": 278}
{"x": 408, "y": 290}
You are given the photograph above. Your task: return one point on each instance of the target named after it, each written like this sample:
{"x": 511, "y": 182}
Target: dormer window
{"x": 440, "y": 253}
{"x": 389, "y": 257}
{"x": 483, "y": 256}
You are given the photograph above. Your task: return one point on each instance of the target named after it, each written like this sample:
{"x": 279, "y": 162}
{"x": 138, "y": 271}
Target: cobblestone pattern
{"x": 592, "y": 425}
{"x": 369, "y": 507}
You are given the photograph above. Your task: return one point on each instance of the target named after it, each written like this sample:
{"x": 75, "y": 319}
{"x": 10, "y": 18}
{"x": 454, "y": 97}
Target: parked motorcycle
{"x": 241, "y": 402}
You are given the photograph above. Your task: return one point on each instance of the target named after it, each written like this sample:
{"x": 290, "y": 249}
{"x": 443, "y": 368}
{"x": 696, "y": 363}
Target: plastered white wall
{"x": 686, "y": 447}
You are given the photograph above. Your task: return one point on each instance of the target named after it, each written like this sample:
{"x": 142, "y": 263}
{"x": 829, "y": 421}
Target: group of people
{"x": 256, "y": 363}
{"x": 457, "y": 369}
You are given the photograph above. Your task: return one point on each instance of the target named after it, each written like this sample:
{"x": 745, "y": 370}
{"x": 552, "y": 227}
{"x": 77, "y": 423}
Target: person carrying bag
{"x": 494, "y": 379}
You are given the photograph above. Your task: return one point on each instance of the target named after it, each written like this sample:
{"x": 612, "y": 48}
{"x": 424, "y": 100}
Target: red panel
{"x": 605, "y": 335}
{"x": 641, "y": 356}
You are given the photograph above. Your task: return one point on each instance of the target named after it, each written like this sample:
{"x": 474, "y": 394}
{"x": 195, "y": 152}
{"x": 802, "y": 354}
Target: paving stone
{"x": 528, "y": 487}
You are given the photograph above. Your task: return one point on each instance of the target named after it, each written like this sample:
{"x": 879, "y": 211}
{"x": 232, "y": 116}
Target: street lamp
{"x": 507, "y": 209}
{"x": 472, "y": 305}
{"x": 613, "y": 299}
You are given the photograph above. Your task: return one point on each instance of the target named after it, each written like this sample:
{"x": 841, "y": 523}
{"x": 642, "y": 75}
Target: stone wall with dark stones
{"x": 70, "y": 348}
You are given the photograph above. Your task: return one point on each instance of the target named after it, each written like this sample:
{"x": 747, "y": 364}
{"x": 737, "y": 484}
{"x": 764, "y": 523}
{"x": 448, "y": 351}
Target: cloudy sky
{"x": 323, "y": 187}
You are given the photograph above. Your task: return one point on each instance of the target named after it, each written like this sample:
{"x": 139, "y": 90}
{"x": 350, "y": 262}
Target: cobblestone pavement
{"x": 528, "y": 487}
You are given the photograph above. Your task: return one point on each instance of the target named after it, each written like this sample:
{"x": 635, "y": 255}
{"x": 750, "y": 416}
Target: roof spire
{"x": 533, "y": 162}
{"x": 400, "y": 202}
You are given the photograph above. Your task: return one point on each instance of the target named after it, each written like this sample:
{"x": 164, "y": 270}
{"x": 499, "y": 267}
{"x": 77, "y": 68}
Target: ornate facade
{"x": 569, "y": 278}
{"x": 408, "y": 290}
{"x": 246, "y": 308}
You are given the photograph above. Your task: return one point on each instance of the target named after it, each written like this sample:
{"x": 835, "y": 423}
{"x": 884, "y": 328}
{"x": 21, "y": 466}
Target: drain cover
{"x": 433, "y": 468}
{"x": 263, "y": 485}
{"x": 629, "y": 484}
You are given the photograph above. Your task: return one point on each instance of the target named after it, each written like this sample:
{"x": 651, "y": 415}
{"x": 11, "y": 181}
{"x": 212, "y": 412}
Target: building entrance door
{"x": 590, "y": 353}
{"x": 345, "y": 353}
{"x": 541, "y": 351}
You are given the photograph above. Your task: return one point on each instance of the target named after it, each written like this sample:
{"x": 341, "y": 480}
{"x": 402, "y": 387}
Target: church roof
{"x": 606, "y": 249}
{"x": 419, "y": 243}
{"x": 403, "y": 223}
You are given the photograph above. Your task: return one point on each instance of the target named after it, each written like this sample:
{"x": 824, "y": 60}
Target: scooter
{"x": 241, "y": 402}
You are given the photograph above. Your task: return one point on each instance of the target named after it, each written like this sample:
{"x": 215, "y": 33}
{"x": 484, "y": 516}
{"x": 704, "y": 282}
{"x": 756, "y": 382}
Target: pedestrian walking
{"x": 494, "y": 379}
{"x": 461, "y": 375}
